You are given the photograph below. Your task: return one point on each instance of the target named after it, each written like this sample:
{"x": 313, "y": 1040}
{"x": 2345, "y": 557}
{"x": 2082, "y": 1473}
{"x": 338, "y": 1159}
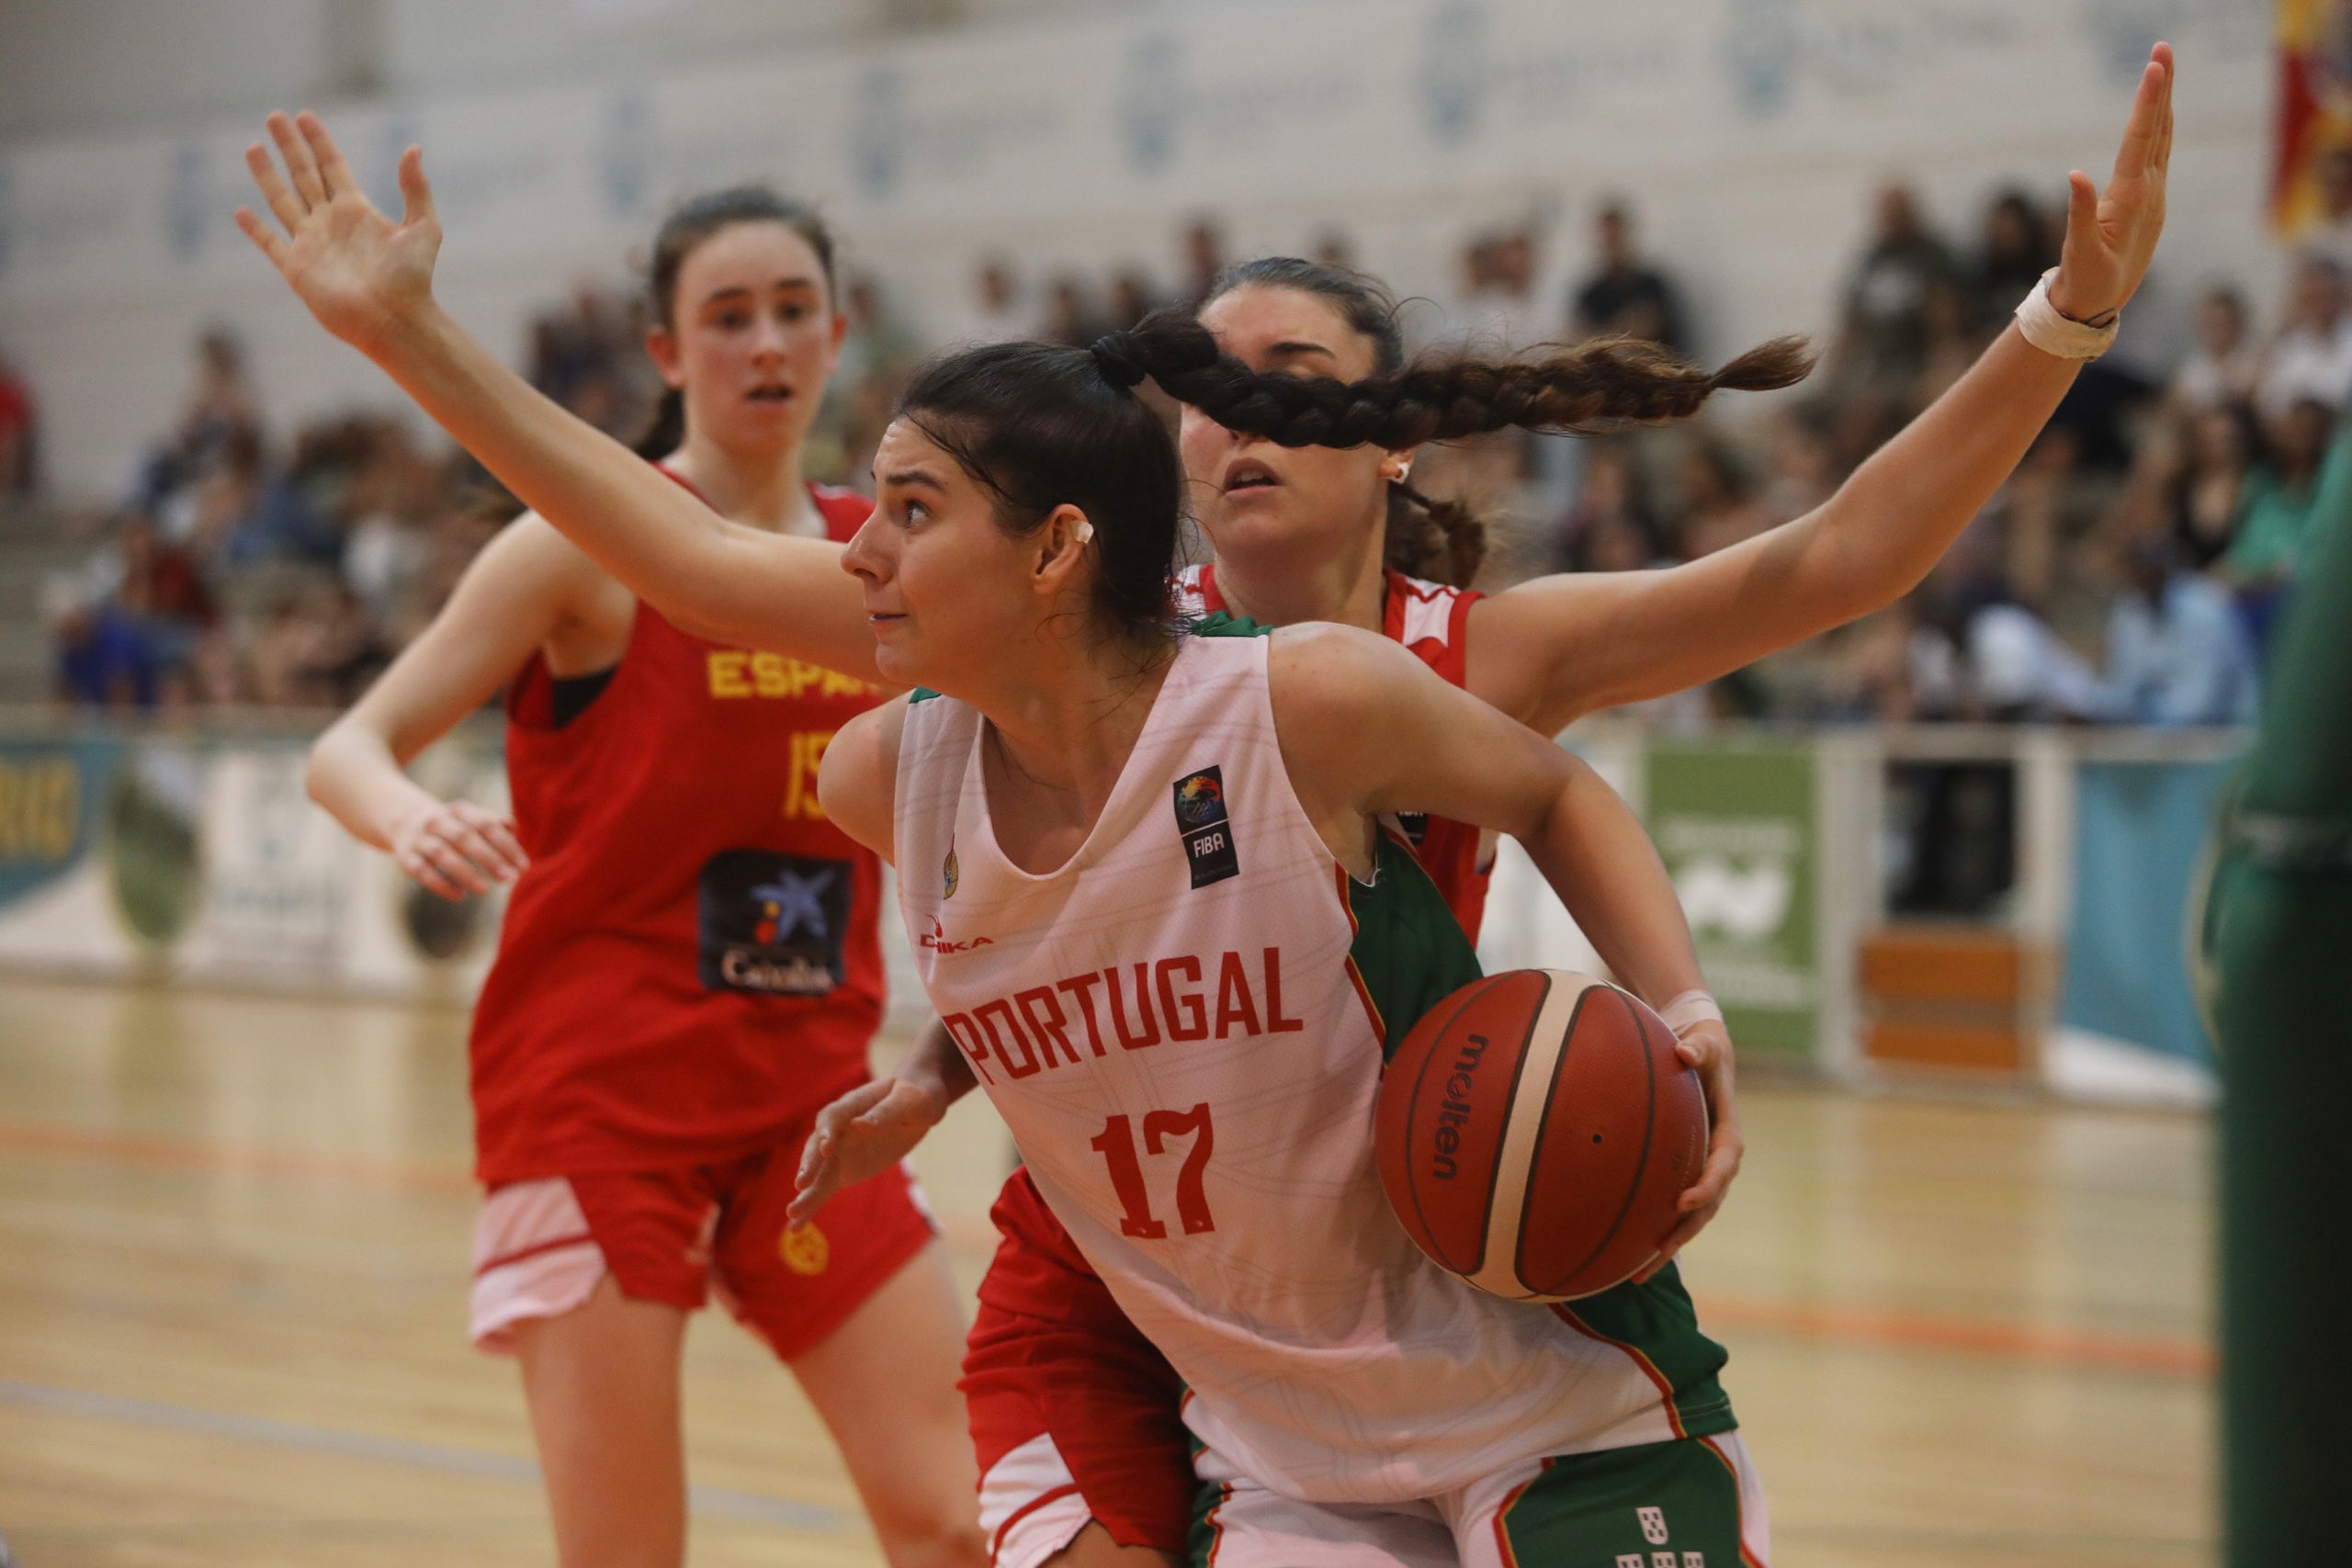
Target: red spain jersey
{"x": 1434, "y": 621}
{"x": 693, "y": 957}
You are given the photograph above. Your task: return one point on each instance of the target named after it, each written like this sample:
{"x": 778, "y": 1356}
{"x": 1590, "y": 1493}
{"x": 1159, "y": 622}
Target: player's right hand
{"x": 359, "y": 271}
{"x": 862, "y": 1135}
{"x": 455, "y": 848}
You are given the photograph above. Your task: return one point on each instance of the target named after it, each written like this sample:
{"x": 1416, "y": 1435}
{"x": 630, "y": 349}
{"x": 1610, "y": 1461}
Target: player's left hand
{"x": 2111, "y": 236}
{"x": 1706, "y": 1047}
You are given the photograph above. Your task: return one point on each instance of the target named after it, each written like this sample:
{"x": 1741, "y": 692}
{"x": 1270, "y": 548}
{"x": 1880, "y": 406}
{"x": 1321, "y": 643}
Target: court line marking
{"x": 717, "y": 1502}
{"x": 2160, "y": 1355}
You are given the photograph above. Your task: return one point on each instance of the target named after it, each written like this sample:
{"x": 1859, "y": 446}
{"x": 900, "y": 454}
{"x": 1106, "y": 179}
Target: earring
{"x": 1404, "y": 472}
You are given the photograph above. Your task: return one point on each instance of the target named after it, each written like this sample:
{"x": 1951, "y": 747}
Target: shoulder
{"x": 1321, "y": 670}
{"x": 857, "y": 781}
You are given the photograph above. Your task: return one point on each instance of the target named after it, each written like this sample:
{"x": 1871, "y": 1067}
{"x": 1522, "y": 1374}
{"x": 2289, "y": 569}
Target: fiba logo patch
{"x": 1206, "y": 827}
{"x": 877, "y": 131}
{"x": 774, "y": 923}
{"x": 805, "y": 1251}
{"x": 948, "y": 874}
{"x": 1151, "y": 109}
{"x": 1454, "y": 71}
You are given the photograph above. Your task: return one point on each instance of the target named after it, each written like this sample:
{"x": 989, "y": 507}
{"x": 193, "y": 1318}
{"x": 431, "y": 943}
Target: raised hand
{"x": 454, "y": 848}
{"x": 358, "y": 272}
{"x": 2111, "y": 237}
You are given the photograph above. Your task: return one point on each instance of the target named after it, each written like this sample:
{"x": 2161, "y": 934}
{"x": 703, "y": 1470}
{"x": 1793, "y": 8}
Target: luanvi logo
{"x": 936, "y": 940}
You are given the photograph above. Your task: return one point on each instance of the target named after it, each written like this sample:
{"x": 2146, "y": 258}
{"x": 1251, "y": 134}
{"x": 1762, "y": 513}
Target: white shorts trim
{"x": 1030, "y": 1506}
{"x": 534, "y": 1256}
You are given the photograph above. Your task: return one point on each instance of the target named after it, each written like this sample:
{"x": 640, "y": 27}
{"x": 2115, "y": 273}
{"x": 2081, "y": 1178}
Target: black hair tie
{"x": 1115, "y": 355}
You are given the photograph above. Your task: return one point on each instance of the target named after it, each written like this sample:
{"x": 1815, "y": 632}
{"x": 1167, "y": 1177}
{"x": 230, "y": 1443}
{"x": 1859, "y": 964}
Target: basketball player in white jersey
{"x": 1151, "y": 905}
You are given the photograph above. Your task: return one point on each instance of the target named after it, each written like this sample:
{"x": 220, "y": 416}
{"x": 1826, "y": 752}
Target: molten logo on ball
{"x": 1454, "y": 1109}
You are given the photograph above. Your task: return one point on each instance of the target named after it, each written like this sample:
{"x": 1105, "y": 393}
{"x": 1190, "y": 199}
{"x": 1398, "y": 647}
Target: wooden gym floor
{"x": 234, "y": 1237}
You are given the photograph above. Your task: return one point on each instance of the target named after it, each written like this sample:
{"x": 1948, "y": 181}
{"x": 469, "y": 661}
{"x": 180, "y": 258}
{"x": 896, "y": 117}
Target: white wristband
{"x": 1688, "y": 1010}
{"x": 2061, "y": 335}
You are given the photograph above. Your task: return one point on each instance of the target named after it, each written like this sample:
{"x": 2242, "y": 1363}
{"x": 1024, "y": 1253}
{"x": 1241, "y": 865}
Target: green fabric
{"x": 1674, "y": 1502}
{"x": 1658, "y": 1320}
{"x": 2273, "y": 524}
{"x": 1409, "y": 951}
{"x": 2279, "y": 927}
{"x": 921, "y": 695}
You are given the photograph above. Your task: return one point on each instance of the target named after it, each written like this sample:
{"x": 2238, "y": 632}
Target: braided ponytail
{"x": 1593, "y": 386}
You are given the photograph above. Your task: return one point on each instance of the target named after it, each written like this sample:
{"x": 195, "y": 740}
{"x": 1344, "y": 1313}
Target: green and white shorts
{"x": 1691, "y": 1502}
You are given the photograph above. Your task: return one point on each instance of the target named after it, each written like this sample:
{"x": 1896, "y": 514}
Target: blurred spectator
{"x": 1804, "y": 463}
{"x": 1334, "y": 249}
{"x": 2311, "y": 356}
{"x": 1883, "y": 335}
{"x": 2212, "y": 480}
{"x": 1719, "y": 505}
{"x": 16, "y": 422}
{"x": 1624, "y": 294}
{"x": 1071, "y": 317}
{"x": 1610, "y": 527}
{"x": 2019, "y": 246}
{"x": 1950, "y": 346}
{"x": 1132, "y": 298}
{"x": 2330, "y": 233}
{"x": 1496, "y": 310}
{"x": 163, "y": 580}
{"x": 2223, "y": 368}
{"x": 998, "y": 314}
{"x": 1204, "y": 257}
{"x": 219, "y": 425}
{"x": 2274, "y": 520}
{"x": 2176, "y": 653}
{"x": 105, "y": 657}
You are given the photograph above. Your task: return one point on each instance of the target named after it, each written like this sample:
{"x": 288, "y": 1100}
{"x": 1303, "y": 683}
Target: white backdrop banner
{"x": 1751, "y": 131}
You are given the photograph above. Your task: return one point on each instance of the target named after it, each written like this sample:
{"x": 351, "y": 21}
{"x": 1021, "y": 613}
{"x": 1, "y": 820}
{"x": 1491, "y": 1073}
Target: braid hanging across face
{"x": 1581, "y": 390}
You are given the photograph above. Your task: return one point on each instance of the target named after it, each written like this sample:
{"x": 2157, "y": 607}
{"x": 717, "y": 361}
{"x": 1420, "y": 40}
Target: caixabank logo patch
{"x": 774, "y": 923}
{"x": 1206, "y": 827}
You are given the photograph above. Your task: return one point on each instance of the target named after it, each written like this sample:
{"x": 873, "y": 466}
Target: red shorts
{"x": 1075, "y": 1414}
{"x": 670, "y": 1236}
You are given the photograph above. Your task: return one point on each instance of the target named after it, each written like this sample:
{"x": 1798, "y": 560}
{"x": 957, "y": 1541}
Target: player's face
{"x": 944, "y": 584}
{"x": 1287, "y": 507}
{"x": 753, "y": 337}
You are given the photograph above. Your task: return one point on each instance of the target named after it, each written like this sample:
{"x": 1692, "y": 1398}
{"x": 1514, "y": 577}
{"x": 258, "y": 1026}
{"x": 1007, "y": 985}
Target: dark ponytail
{"x": 1596, "y": 385}
{"x": 689, "y": 224}
{"x": 1593, "y": 387}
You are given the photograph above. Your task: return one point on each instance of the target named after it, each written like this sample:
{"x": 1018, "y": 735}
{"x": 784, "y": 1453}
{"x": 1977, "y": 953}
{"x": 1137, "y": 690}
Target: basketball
{"x": 1535, "y": 1129}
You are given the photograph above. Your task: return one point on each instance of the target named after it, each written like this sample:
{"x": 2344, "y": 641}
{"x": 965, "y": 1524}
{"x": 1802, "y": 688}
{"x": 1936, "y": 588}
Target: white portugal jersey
{"x": 1184, "y": 1028}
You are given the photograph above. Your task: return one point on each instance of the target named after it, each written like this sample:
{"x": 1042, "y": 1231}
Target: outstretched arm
{"x": 524, "y": 587}
{"x": 1554, "y": 648}
{"x": 369, "y": 281}
{"x": 1367, "y": 729}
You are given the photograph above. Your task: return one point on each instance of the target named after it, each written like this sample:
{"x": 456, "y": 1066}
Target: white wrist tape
{"x": 1688, "y": 1010}
{"x": 2063, "y": 337}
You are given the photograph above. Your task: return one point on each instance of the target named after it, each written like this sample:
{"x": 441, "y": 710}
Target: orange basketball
{"x": 1535, "y": 1129}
